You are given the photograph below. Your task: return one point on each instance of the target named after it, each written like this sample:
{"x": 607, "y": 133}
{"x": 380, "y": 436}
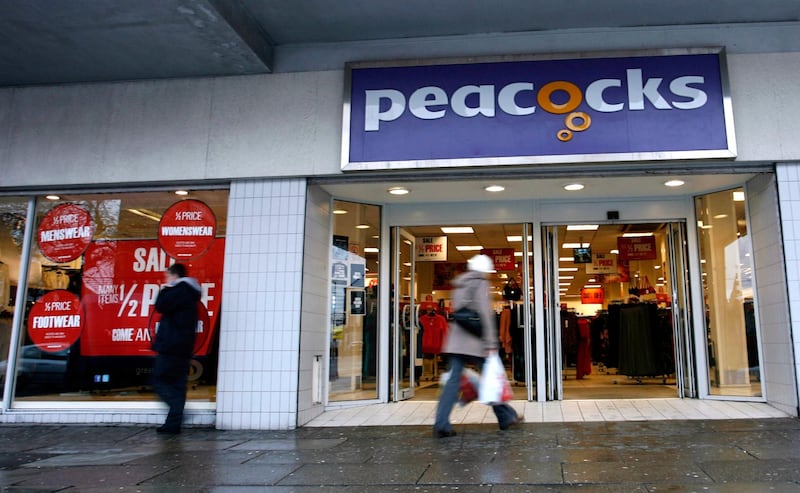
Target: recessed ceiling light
{"x": 469, "y": 248}
{"x": 720, "y": 216}
{"x": 614, "y": 252}
{"x": 574, "y": 187}
{"x": 53, "y": 197}
{"x": 519, "y": 254}
{"x": 371, "y": 250}
{"x": 362, "y": 226}
{"x": 458, "y": 230}
{"x": 567, "y": 269}
{"x": 566, "y": 259}
{"x": 495, "y": 188}
{"x": 636, "y": 235}
{"x": 674, "y": 183}
{"x": 591, "y": 286}
{"x": 513, "y": 239}
{"x": 738, "y": 196}
{"x": 181, "y": 192}
{"x": 399, "y": 191}
{"x": 339, "y": 212}
{"x": 575, "y": 245}
{"x": 583, "y": 227}
{"x": 564, "y": 283}
{"x": 566, "y": 278}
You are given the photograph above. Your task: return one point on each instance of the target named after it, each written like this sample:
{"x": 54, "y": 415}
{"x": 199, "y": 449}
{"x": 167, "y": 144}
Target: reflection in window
{"x": 12, "y": 232}
{"x": 727, "y": 265}
{"x": 96, "y": 268}
{"x": 353, "y": 358}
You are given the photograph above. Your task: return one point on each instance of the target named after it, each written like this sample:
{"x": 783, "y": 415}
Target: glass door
{"x": 406, "y": 363}
{"x": 552, "y": 314}
{"x": 681, "y": 310}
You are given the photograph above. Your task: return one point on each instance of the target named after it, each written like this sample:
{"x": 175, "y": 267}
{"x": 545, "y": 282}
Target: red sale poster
{"x": 187, "y": 229}
{"x": 55, "y": 321}
{"x": 121, "y": 280}
{"x": 65, "y": 232}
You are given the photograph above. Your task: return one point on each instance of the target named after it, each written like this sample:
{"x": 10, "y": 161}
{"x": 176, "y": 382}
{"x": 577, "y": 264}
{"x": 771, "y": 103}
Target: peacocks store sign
{"x": 634, "y": 108}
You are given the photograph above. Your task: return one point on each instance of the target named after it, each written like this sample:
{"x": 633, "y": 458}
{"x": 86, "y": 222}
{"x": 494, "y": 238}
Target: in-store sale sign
{"x": 637, "y": 248}
{"x": 503, "y": 258}
{"x": 430, "y": 248}
{"x": 187, "y": 229}
{"x": 65, "y": 232}
{"x": 121, "y": 280}
{"x": 602, "y": 263}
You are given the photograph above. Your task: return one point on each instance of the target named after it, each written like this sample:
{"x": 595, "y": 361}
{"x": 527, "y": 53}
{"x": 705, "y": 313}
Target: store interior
{"x": 596, "y": 362}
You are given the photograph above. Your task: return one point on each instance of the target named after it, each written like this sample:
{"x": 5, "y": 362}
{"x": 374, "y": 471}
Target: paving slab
{"x": 355, "y": 474}
{"x": 771, "y": 487}
{"x": 104, "y": 477}
{"x": 634, "y": 472}
{"x": 222, "y": 475}
{"x": 492, "y": 473}
{"x": 753, "y": 471}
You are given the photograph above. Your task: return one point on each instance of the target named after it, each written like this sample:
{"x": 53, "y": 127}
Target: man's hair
{"x": 177, "y": 270}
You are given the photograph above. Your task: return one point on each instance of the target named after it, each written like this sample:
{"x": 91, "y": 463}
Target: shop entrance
{"x": 424, "y": 261}
{"x": 618, "y": 325}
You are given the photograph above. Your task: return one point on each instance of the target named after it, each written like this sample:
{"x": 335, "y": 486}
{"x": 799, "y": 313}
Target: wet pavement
{"x": 740, "y": 456}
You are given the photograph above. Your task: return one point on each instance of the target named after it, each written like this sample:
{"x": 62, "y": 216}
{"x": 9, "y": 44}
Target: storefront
{"x": 641, "y": 245}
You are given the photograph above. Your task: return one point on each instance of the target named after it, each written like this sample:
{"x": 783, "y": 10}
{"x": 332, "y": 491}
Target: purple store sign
{"x": 636, "y": 108}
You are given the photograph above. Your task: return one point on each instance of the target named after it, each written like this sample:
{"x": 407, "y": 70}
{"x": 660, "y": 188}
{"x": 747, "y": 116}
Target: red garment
{"x": 434, "y": 330}
{"x": 584, "y": 366}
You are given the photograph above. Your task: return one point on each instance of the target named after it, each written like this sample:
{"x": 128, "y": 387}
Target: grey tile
{"x": 771, "y": 487}
{"x": 351, "y": 456}
{"x": 93, "y": 459}
{"x": 352, "y": 474}
{"x": 222, "y": 475}
{"x": 104, "y": 477}
{"x": 753, "y": 471}
{"x": 291, "y": 444}
{"x": 492, "y": 473}
{"x": 198, "y": 458}
{"x": 633, "y": 472}
{"x": 17, "y": 459}
{"x": 569, "y": 488}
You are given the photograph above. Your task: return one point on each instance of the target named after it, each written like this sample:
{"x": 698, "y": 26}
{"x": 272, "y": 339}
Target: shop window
{"x": 353, "y": 359}
{"x": 728, "y": 289}
{"x": 12, "y": 232}
{"x": 96, "y": 267}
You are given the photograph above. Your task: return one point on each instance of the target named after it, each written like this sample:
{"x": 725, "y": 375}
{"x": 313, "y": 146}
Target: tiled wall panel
{"x": 260, "y": 336}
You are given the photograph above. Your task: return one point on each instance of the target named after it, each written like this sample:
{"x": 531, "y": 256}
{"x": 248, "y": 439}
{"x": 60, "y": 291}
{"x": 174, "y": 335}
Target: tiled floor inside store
{"x": 422, "y": 412}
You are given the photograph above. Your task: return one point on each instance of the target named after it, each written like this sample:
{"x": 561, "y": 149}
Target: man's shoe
{"x": 168, "y": 430}
{"x": 444, "y": 434}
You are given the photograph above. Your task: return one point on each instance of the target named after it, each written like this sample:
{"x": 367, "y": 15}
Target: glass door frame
{"x": 531, "y": 340}
{"x": 686, "y": 370}
{"x": 399, "y": 392}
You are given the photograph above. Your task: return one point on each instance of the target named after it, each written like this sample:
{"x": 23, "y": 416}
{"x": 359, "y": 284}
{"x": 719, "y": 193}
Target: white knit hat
{"x": 481, "y": 263}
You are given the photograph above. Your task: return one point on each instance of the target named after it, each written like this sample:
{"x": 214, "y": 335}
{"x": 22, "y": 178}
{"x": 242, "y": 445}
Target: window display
{"x": 729, "y": 294}
{"x": 96, "y": 267}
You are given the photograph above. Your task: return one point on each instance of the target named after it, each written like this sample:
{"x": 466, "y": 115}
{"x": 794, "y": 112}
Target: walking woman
{"x": 462, "y": 348}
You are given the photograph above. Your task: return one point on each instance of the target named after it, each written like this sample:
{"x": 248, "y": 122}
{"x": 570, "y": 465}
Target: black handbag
{"x": 469, "y": 320}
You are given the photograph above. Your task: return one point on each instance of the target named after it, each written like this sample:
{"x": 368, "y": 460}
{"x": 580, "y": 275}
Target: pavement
{"x": 741, "y": 456}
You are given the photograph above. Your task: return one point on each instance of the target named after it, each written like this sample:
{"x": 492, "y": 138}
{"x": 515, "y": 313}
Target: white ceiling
{"x": 439, "y": 190}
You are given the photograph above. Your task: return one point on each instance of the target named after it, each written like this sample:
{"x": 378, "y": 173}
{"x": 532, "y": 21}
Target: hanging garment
{"x": 584, "y": 365}
{"x": 434, "y": 330}
{"x": 504, "y": 332}
{"x": 637, "y": 357}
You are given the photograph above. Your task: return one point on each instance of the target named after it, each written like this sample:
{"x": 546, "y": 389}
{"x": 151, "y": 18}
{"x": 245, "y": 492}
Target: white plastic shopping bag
{"x": 494, "y": 386}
